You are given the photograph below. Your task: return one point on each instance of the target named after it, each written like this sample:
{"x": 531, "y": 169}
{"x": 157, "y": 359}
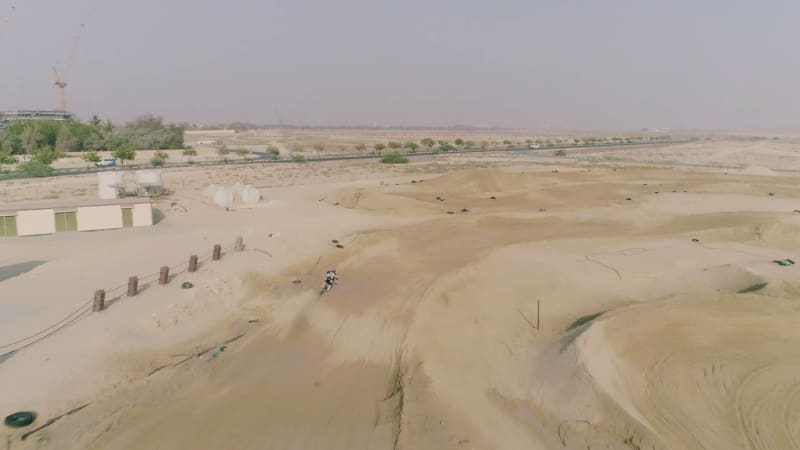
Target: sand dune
{"x": 646, "y": 338}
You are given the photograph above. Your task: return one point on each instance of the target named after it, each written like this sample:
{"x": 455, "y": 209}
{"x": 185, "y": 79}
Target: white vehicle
{"x": 534, "y": 146}
{"x": 107, "y": 163}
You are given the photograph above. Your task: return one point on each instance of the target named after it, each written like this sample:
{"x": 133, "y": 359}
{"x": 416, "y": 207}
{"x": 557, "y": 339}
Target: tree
{"x": 91, "y": 157}
{"x": 124, "y": 153}
{"x": 274, "y": 152}
{"x": 32, "y": 140}
{"x": 96, "y": 122}
{"x": 561, "y": 153}
{"x": 361, "y": 147}
{"x": 469, "y": 144}
{"x": 428, "y": 142}
{"x": 65, "y": 141}
{"x": 189, "y": 152}
{"x": 395, "y": 145}
{"x": 459, "y": 142}
{"x": 411, "y": 146}
{"x": 506, "y": 142}
{"x": 108, "y": 129}
{"x": 379, "y": 147}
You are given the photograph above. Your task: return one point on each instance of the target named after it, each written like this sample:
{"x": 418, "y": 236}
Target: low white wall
{"x": 142, "y": 215}
{"x": 99, "y": 217}
{"x": 36, "y": 221}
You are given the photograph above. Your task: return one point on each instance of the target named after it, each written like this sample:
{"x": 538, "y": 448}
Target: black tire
{"x": 20, "y": 419}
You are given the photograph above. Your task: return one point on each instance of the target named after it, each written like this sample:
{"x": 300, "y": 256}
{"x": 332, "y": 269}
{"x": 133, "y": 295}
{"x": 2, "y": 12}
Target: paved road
{"x": 266, "y": 158}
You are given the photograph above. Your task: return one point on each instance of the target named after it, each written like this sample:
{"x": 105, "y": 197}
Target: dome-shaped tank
{"x": 148, "y": 178}
{"x": 250, "y": 195}
{"x": 224, "y": 197}
{"x": 108, "y": 184}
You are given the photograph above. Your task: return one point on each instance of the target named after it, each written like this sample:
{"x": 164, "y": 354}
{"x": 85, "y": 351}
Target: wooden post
{"x": 239, "y": 246}
{"x": 163, "y": 276}
{"x": 538, "y": 310}
{"x": 217, "y": 252}
{"x": 133, "y": 286}
{"x": 193, "y": 263}
{"x": 99, "y": 300}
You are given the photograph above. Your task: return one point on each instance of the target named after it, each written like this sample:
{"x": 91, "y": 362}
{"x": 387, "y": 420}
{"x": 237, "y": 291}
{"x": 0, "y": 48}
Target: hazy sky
{"x": 592, "y": 64}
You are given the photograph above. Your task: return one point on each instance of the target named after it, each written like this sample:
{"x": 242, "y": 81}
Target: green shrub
{"x": 561, "y": 153}
{"x": 394, "y": 158}
{"x": 157, "y": 162}
{"x": 35, "y": 168}
{"x": 298, "y": 158}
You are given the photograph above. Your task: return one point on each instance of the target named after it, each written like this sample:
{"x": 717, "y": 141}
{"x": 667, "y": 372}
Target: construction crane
{"x": 59, "y": 81}
{"x": 5, "y": 23}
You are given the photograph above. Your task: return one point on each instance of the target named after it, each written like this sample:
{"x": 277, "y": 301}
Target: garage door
{"x": 8, "y": 225}
{"x": 66, "y": 221}
{"x": 127, "y": 217}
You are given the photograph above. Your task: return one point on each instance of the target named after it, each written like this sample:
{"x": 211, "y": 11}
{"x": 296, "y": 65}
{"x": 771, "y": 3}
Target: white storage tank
{"x": 108, "y": 184}
{"x": 250, "y": 195}
{"x": 148, "y": 178}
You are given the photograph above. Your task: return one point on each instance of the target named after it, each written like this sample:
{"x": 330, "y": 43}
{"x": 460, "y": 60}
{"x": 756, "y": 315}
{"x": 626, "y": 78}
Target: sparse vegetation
{"x": 412, "y": 146}
{"x": 189, "y": 152}
{"x": 428, "y": 142}
{"x": 561, "y": 153}
{"x": 584, "y": 320}
{"x": 361, "y": 148}
{"x": 274, "y": 152}
{"x": 91, "y": 157}
{"x": 6, "y": 158}
{"x": 124, "y": 154}
{"x": 752, "y": 288}
{"x": 395, "y": 145}
{"x": 298, "y": 158}
{"x": 222, "y": 149}
{"x": 242, "y": 152}
{"x": 159, "y": 159}
{"x": 379, "y": 148}
{"x": 459, "y": 142}
{"x": 319, "y": 148}
{"x": 394, "y": 158}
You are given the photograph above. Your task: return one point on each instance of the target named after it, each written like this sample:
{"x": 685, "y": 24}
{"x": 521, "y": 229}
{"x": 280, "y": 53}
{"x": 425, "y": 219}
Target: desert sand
{"x": 497, "y": 301}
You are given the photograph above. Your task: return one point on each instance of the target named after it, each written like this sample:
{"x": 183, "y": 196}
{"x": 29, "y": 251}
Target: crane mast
{"x": 59, "y": 81}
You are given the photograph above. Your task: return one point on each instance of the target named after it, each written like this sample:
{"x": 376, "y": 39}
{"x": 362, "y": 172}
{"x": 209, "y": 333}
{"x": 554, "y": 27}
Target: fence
{"x": 105, "y": 298}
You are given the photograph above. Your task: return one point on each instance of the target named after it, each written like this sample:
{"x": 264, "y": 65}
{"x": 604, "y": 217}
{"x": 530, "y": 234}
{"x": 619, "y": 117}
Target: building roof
{"x": 69, "y": 204}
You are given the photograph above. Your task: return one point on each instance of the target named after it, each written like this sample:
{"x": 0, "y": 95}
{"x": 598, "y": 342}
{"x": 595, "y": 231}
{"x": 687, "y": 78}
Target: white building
{"x": 56, "y": 216}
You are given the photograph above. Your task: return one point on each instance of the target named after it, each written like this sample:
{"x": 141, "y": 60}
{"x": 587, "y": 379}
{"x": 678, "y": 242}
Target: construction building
{"x": 9, "y": 117}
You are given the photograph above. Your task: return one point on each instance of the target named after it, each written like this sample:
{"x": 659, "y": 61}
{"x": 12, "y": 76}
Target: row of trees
{"x": 45, "y": 141}
{"x": 33, "y": 137}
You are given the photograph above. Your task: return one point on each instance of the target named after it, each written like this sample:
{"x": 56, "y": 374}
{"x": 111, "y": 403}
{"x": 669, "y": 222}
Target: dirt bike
{"x": 326, "y": 286}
